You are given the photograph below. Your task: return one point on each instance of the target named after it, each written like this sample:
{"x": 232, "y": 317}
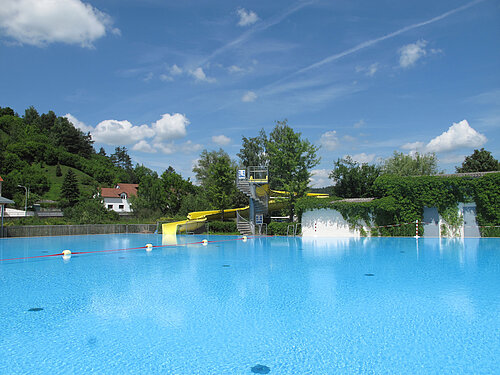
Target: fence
{"x": 72, "y": 230}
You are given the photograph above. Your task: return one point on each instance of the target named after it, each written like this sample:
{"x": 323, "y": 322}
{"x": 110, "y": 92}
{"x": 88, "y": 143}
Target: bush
{"x": 90, "y": 211}
{"x": 278, "y": 229}
{"x": 223, "y": 227}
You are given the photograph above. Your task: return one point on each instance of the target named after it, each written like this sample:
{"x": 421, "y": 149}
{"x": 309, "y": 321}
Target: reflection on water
{"x": 331, "y": 247}
{"x": 169, "y": 239}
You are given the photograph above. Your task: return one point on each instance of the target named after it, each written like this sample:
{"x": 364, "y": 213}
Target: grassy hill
{"x": 86, "y": 183}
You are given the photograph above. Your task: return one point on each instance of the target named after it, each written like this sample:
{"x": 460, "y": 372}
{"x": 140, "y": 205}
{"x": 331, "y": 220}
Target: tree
{"x": 253, "y": 152}
{"x": 290, "y": 159}
{"x": 224, "y": 186}
{"x": 479, "y": 161}
{"x": 150, "y": 199}
{"x": 58, "y": 171}
{"x": 220, "y": 183}
{"x": 71, "y": 138}
{"x": 410, "y": 165}
{"x": 7, "y": 111}
{"x": 206, "y": 159}
{"x": 102, "y": 151}
{"x": 120, "y": 158}
{"x": 69, "y": 190}
{"x": 47, "y": 121}
{"x": 353, "y": 180}
{"x": 176, "y": 188}
{"x": 30, "y": 115}
{"x": 90, "y": 211}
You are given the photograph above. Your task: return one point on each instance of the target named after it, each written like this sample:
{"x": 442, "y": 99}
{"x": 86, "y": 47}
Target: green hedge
{"x": 402, "y": 200}
{"x": 275, "y": 228}
{"x": 222, "y": 227}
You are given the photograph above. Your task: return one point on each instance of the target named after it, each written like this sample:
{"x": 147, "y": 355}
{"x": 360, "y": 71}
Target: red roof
{"x": 129, "y": 189}
{"x": 1, "y": 178}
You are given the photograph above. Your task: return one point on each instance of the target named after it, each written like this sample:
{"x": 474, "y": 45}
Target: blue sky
{"x": 167, "y": 79}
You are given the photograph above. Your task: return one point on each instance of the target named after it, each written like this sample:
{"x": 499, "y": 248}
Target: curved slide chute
{"x": 197, "y": 219}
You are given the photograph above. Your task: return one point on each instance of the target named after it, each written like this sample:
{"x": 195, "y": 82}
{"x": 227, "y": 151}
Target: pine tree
{"x": 69, "y": 190}
{"x": 58, "y": 171}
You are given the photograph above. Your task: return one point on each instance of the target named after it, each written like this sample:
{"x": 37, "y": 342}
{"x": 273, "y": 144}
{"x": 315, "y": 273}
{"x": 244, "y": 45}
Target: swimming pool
{"x": 278, "y": 305}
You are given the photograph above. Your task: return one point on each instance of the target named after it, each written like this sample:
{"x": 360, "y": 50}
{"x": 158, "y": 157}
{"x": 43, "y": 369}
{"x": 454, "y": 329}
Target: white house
{"x": 117, "y": 198}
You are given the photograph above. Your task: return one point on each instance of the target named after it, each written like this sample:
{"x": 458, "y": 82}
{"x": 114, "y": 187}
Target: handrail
{"x": 261, "y": 226}
{"x": 296, "y": 228}
{"x": 288, "y": 227}
{"x": 241, "y": 218}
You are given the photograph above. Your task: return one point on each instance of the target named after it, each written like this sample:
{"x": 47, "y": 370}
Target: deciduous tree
{"x": 353, "y": 180}
{"x": 220, "y": 184}
{"x": 253, "y": 151}
{"x": 479, "y": 161}
{"x": 290, "y": 160}
{"x": 410, "y": 165}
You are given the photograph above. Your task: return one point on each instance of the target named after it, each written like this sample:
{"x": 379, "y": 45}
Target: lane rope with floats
{"x": 66, "y": 254}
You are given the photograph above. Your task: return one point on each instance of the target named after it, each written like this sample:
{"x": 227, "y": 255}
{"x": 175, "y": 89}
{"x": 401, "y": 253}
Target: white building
{"x": 117, "y": 198}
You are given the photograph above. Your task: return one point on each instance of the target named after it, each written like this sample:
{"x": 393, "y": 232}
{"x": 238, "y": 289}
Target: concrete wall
{"x": 433, "y": 222}
{"x": 327, "y": 223}
{"x": 330, "y": 223}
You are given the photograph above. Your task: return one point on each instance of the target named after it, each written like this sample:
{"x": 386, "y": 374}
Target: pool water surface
{"x": 266, "y": 305}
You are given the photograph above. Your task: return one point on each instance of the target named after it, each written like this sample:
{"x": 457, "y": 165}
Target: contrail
{"x": 380, "y": 39}
{"x": 261, "y": 27}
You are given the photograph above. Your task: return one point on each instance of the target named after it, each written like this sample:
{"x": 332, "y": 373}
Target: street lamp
{"x": 25, "y": 201}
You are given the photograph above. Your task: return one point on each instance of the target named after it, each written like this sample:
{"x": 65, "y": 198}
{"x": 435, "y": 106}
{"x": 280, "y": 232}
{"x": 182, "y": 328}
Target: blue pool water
{"x": 282, "y": 305}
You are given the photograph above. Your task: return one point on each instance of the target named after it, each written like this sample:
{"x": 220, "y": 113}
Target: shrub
{"x": 277, "y": 229}
{"x": 223, "y": 227}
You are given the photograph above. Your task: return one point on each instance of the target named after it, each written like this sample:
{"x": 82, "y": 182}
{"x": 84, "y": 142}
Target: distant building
{"x": 118, "y": 198}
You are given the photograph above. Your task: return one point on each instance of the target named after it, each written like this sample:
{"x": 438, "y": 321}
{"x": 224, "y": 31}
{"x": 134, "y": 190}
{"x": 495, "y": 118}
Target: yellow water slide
{"x": 198, "y": 219}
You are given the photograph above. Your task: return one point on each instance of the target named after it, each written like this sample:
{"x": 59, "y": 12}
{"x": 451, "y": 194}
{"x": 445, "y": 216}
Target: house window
{"x": 110, "y": 206}
{"x": 123, "y": 196}
{"x": 120, "y": 207}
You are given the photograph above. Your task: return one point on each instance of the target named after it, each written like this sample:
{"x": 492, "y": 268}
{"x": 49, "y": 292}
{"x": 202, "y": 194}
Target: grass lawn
{"x": 85, "y": 182}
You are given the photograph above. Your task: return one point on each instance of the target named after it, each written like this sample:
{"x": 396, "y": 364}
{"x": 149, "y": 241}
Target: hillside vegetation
{"x": 37, "y": 151}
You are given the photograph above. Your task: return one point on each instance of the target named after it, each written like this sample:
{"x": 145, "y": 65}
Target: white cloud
{"x": 249, "y": 96}
{"x": 200, "y": 75}
{"x": 175, "y": 70}
{"x": 149, "y": 77}
{"x": 235, "y": 69}
{"x": 319, "y": 178}
{"x": 144, "y": 146}
{"x": 116, "y": 132}
{"x": 457, "y": 136}
{"x": 329, "y": 140}
{"x": 348, "y": 138}
{"x": 190, "y": 147}
{"x": 172, "y": 148}
{"x": 359, "y": 124}
{"x": 247, "y": 17}
{"x": 41, "y": 22}
{"x": 372, "y": 69}
{"x": 412, "y": 52}
{"x": 452, "y": 158}
{"x": 165, "y": 78}
{"x": 362, "y": 158}
{"x": 167, "y": 149}
{"x": 221, "y": 140}
{"x": 369, "y": 70}
{"x": 170, "y": 127}
{"x": 413, "y": 146}
{"x": 78, "y": 124}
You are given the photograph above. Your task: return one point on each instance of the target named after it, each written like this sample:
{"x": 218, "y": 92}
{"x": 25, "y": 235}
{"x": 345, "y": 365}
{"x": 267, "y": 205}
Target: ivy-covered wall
{"x": 401, "y": 200}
